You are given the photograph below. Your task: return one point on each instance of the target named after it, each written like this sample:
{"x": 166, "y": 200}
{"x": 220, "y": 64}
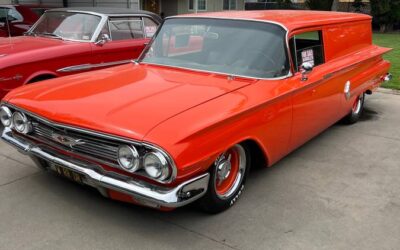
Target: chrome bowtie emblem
{"x": 66, "y": 140}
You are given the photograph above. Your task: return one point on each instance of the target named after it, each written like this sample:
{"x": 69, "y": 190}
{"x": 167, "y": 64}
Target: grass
{"x": 391, "y": 41}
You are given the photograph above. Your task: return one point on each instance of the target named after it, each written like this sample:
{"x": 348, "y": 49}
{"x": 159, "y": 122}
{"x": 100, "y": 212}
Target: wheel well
{"x": 41, "y": 78}
{"x": 257, "y": 155}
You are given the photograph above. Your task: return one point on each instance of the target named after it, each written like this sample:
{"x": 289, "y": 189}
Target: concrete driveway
{"x": 339, "y": 191}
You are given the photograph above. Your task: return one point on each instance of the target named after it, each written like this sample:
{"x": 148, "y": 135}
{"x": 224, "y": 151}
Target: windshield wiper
{"x": 50, "y": 34}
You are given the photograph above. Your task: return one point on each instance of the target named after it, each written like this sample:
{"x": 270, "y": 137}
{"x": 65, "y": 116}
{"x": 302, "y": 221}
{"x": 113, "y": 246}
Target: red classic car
{"x": 68, "y": 41}
{"x": 15, "y": 20}
{"x": 186, "y": 122}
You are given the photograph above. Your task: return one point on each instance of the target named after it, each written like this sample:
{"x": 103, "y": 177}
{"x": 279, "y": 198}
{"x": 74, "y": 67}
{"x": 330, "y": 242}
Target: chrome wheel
{"x": 230, "y": 170}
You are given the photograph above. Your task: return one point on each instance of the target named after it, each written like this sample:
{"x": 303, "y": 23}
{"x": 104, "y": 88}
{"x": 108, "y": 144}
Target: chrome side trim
{"x": 84, "y": 67}
{"x": 105, "y": 136}
{"x": 143, "y": 192}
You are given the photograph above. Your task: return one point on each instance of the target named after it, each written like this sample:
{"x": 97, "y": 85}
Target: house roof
{"x": 291, "y": 19}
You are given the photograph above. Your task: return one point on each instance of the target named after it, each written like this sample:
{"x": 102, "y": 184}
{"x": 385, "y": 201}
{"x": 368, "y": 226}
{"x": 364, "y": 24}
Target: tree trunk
{"x": 382, "y": 27}
{"x": 335, "y": 5}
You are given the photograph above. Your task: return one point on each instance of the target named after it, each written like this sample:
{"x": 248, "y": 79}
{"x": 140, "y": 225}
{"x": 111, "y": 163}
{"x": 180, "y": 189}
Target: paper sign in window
{"x": 308, "y": 56}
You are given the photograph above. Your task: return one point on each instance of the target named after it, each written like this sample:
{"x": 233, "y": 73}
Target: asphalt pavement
{"x": 339, "y": 191}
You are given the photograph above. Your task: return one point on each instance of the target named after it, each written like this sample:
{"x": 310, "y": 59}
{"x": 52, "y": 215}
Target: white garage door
{"x": 133, "y": 4}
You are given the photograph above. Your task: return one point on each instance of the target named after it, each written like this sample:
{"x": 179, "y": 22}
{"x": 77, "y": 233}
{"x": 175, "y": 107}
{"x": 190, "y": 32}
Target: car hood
{"x": 127, "y": 101}
{"x": 25, "y": 43}
{"x": 25, "y": 49}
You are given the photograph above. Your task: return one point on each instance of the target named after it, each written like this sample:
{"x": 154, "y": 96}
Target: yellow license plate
{"x": 69, "y": 174}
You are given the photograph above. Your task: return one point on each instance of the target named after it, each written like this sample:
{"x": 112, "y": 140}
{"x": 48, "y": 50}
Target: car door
{"x": 128, "y": 36}
{"x": 316, "y": 100}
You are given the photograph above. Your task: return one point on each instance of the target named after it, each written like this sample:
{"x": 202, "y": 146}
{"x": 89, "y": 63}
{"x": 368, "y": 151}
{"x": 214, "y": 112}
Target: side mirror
{"x": 306, "y": 69}
{"x": 104, "y": 38}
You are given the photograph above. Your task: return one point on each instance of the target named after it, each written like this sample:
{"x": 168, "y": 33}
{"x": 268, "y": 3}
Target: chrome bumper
{"x": 142, "y": 192}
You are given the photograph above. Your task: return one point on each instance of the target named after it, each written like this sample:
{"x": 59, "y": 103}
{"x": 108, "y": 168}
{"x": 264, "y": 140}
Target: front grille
{"x": 95, "y": 147}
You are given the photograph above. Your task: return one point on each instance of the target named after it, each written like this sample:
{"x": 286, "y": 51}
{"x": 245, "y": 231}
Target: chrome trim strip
{"x": 141, "y": 191}
{"x": 105, "y": 136}
{"x": 84, "y": 67}
{"x": 290, "y": 73}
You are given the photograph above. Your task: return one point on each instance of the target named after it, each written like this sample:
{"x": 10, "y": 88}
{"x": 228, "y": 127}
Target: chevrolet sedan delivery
{"x": 212, "y": 96}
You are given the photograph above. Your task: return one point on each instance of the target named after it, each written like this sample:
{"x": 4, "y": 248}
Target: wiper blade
{"x": 50, "y": 34}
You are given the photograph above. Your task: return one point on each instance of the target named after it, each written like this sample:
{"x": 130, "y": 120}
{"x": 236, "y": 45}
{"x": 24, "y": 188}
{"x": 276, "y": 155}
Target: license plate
{"x": 69, "y": 174}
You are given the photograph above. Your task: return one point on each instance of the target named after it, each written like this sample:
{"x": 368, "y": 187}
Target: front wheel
{"x": 356, "y": 110}
{"x": 228, "y": 177}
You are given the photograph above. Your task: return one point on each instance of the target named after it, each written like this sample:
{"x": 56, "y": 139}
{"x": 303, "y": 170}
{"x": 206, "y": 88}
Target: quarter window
{"x": 9, "y": 15}
{"x": 307, "y": 47}
{"x": 201, "y": 4}
{"x": 229, "y": 5}
{"x": 150, "y": 27}
{"x": 124, "y": 28}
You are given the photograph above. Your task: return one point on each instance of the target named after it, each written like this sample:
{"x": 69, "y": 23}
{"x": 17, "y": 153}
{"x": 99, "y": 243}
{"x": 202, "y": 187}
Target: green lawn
{"x": 391, "y": 41}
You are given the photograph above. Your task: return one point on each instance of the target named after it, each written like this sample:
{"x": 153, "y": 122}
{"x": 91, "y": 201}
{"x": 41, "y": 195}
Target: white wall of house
{"x": 5, "y": 1}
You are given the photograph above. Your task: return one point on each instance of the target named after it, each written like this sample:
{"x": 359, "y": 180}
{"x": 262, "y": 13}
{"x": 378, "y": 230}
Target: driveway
{"x": 339, "y": 191}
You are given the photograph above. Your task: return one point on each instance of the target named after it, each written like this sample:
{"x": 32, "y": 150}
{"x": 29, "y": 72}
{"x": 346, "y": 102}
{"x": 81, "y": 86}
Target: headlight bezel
{"x": 163, "y": 172}
{"x": 134, "y": 162}
{"x": 9, "y": 113}
{"x": 27, "y": 127}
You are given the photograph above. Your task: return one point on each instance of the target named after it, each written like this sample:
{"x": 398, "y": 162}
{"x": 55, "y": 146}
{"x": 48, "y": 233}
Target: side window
{"x": 3, "y": 15}
{"x": 150, "y": 27}
{"x": 14, "y": 15}
{"x": 125, "y": 28}
{"x": 307, "y": 47}
{"x": 105, "y": 30}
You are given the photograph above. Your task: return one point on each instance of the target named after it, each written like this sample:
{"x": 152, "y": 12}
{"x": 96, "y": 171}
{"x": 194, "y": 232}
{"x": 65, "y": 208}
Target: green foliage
{"x": 319, "y": 4}
{"x": 386, "y": 12}
{"x": 285, "y": 4}
{"x": 358, "y": 4}
{"x": 391, "y": 41}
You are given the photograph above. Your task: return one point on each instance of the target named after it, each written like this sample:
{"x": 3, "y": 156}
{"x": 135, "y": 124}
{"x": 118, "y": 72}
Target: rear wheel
{"x": 228, "y": 177}
{"x": 356, "y": 110}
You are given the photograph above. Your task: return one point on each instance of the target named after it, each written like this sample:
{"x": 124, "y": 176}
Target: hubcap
{"x": 230, "y": 169}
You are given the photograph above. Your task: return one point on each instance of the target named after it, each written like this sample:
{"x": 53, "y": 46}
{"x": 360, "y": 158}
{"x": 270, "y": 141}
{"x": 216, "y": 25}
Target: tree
{"x": 319, "y": 4}
{"x": 358, "y": 4}
{"x": 284, "y": 4}
{"x": 335, "y": 5}
{"x": 386, "y": 13}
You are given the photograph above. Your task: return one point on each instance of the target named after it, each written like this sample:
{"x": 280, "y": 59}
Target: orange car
{"x": 213, "y": 95}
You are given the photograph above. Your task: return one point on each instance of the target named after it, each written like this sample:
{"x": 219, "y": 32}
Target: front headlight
{"x": 6, "y": 116}
{"x": 156, "y": 166}
{"x": 21, "y": 123}
{"x": 128, "y": 158}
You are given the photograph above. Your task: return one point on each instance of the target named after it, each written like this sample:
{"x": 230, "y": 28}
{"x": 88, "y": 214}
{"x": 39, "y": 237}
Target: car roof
{"x": 291, "y": 19}
{"x": 110, "y": 11}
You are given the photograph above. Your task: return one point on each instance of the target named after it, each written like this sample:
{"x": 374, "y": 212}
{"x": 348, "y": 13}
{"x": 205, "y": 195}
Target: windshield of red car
{"x": 67, "y": 25}
{"x": 233, "y": 47}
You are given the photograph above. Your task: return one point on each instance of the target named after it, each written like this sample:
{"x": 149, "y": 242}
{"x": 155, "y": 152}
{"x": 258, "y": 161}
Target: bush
{"x": 319, "y": 4}
{"x": 386, "y": 13}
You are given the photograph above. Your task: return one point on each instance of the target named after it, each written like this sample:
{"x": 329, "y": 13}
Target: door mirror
{"x": 306, "y": 69}
{"x": 104, "y": 38}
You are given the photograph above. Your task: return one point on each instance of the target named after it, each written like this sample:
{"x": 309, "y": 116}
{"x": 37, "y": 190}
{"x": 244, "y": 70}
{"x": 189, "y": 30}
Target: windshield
{"x": 67, "y": 25}
{"x": 234, "y": 47}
